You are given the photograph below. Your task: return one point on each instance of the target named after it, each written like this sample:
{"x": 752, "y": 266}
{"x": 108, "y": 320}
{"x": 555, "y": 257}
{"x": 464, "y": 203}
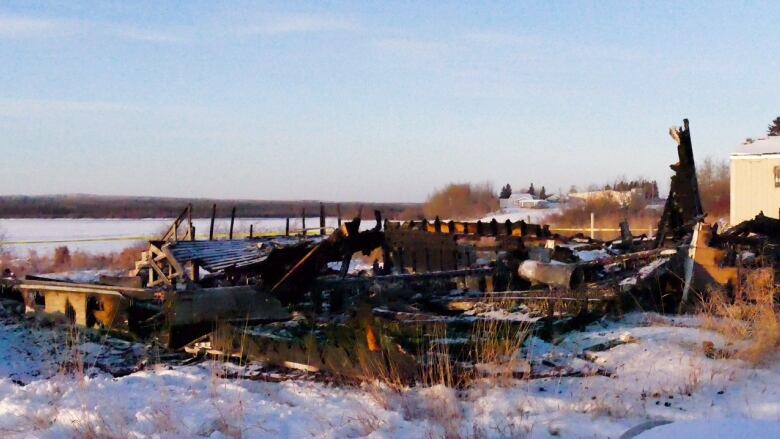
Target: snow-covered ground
{"x": 660, "y": 372}
{"x": 535, "y": 216}
{"x": 105, "y": 235}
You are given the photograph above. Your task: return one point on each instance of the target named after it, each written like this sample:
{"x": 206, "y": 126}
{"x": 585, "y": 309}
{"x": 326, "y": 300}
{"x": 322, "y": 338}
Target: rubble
{"x": 280, "y": 301}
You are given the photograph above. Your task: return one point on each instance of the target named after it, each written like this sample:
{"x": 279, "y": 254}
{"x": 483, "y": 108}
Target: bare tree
{"x": 461, "y": 201}
{"x": 714, "y": 185}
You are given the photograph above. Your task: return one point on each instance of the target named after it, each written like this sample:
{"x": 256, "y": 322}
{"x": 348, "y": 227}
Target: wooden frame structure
{"x": 162, "y": 266}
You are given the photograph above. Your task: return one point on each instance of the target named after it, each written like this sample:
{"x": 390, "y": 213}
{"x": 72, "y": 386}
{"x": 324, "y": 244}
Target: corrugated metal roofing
{"x": 219, "y": 255}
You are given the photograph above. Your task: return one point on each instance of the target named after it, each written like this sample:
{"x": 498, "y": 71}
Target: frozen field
{"x": 110, "y": 235}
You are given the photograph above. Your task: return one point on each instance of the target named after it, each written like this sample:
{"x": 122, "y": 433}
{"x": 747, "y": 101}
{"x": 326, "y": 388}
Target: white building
{"x": 622, "y": 197}
{"x": 521, "y": 200}
{"x": 755, "y": 179}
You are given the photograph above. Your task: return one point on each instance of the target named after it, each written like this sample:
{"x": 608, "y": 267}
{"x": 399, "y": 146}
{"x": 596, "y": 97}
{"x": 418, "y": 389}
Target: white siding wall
{"x": 753, "y": 186}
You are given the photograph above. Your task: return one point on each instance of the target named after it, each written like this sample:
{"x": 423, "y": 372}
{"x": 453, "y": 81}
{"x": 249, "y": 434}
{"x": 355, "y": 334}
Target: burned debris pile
{"x": 372, "y": 298}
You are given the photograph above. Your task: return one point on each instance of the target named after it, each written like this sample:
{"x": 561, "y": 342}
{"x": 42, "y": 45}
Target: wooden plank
{"x": 178, "y": 269}
{"x": 31, "y": 284}
{"x": 84, "y": 289}
{"x": 163, "y": 277}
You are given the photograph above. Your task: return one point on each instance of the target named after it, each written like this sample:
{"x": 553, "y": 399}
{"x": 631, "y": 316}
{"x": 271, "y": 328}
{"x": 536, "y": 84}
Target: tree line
{"x": 506, "y": 192}
{"x": 92, "y": 206}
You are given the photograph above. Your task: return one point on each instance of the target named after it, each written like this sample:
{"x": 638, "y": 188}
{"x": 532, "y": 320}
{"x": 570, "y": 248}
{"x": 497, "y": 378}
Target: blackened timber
{"x": 213, "y": 216}
{"x": 232, "y": 220}
{"x": 322, "y": 219}
{"x": 413, "y": 276}
{"x": 683, "y": 205}
{"x": 191, "y": 228}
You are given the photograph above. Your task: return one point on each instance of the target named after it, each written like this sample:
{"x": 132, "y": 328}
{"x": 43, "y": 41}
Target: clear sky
{"x": 380, "y": 101}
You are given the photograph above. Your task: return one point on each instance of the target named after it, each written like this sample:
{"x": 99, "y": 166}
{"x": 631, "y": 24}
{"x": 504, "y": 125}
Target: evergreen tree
{"x": 542, "y": 194}
{"x": 774, "y": 128}
{"x": 531, "y": 190}
{"x": 506, "y": 191}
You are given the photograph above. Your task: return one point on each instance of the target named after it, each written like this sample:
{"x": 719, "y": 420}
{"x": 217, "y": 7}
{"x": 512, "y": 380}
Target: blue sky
{"x": 376, "y": 101}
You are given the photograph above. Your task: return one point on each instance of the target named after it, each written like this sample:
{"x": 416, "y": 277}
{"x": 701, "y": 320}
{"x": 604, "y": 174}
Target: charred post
{"x": 213, "y": 217}
{"x": 232, "y": 221}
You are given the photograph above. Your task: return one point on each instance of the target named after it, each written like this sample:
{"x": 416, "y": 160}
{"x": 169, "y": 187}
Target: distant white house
{"x": 622, "y": 197}
{"x": 755, "y": 179}
{"x": 521, "y": 200}
{"x": 554, "y": 198}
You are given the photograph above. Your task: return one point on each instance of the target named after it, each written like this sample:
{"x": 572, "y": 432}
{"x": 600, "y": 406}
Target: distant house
{"x": 554, "y": 198}
{"x": 521, "y": 200}
{"x": 755, "y": 179}
{"x": 622, "y": 197}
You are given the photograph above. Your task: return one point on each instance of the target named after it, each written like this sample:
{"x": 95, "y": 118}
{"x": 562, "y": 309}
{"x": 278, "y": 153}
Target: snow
{"x": 34, "y": 349}
{"x": 656, "y": 370}
{"x": 83, "y": 276}
{"x": 502, "y": 314}
{"x": 592, "y": 255}
{"x": 765, "y": 145}
{"x": 355, "y": 266}
{"x": 644, "y": 272}
{"x": 648, "y": 269}
{"x": 739, "y": 428}
{"x": 514, "y": 214}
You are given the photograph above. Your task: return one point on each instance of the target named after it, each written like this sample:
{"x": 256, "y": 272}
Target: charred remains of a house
{"x": 293, "y": 301}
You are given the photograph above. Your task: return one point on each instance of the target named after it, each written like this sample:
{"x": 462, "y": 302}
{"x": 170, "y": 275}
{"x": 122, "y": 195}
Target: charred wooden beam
{"x": 683, "y": 205}
{"x": 322, "y": 219}
{"x": 213, "y": 217}
{"x": 232, "y": 220}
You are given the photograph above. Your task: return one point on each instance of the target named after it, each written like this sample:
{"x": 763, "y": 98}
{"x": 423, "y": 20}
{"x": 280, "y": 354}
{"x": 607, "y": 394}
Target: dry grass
{"x": 438, "y": 366}
{"x": 750, "y": 319}
{"x": 608, "y": 214}
{"x": 495, "y": 354}
{"x": 497, "y": 350}
{"x": 62, "y": 259}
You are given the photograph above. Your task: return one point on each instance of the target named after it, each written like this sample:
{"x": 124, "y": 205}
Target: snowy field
{"x": 108, "y": 235}
{"x": 661, "y": 374}
{"x": 534, "y": 216}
